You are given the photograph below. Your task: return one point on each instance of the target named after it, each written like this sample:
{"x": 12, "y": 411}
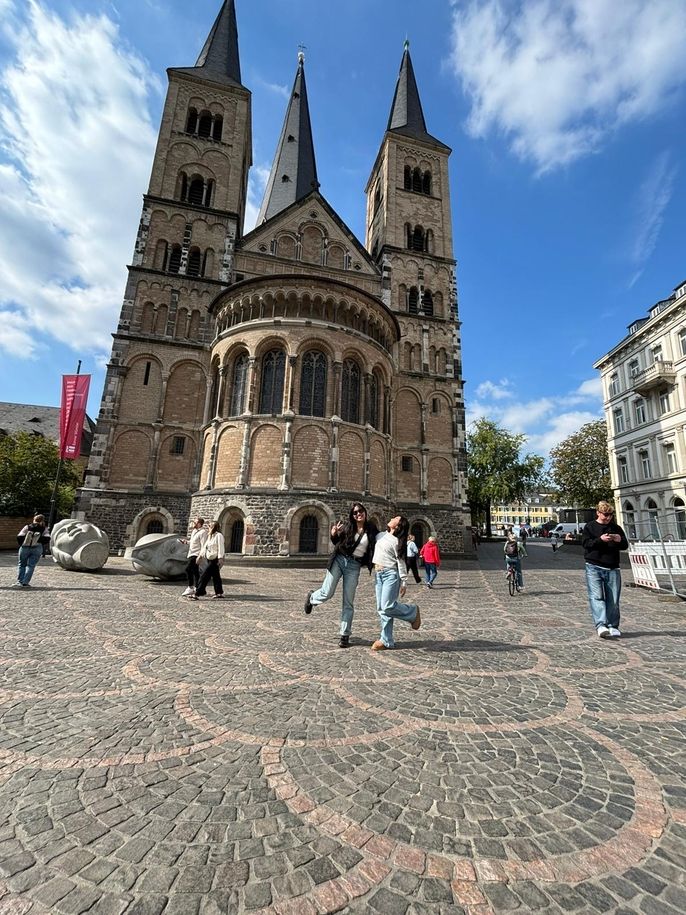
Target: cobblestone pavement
{"x": 164, "y": 756}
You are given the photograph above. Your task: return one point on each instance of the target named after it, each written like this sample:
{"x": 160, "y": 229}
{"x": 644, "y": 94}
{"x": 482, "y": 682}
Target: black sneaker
{"x": 344, "y": 641}
{"x": 308, "y": 606}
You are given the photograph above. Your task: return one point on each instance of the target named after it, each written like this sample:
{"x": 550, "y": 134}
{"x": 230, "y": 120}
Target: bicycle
{"x": 512, "y": 585}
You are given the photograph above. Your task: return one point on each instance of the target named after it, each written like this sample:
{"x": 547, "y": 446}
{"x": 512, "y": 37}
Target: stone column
{"x": 337, "y": 369}
{"x": 221, "y": 390}
{"x": 214, "y": 454}
{"x": 289, "y": 385}
{"x": 208, "y": 399}
{"x": 245, "y": 456}
{"x": 333, "y": 464}
{"x": 365, "y": 411}
{"x": 154, "y": 457}
{"x": 163, "y": 395}
{"x": 252, "y": 384}
{"x": 286, "y": 463}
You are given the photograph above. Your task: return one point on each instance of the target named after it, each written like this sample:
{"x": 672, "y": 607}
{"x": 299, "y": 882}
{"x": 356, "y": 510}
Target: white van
{"x": 565, "y": 528}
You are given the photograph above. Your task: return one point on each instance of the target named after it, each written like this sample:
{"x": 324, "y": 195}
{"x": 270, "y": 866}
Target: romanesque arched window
{"x": 426, "y": 183}
{"x": 416, "y": 180}
{"x": 413, "y": 300}
{"x": 350, "y": 392}
{"x": 196, "y": 192}
{"x": 313, "y": 384}
{"x": 174, "y": 261}
{"x": 217, "y": 127}
{"x": 408, "y": 178}
{"x": 192, "y": 121}
{"x": 205, "y": 124}
{"x": 194, "y": 262}
{"x": 271, "y": 391}
{"x": 239, "y": 382}
{"x": 417, "y": 239}
{"x": 428, "y": 302}
{"x": 309, "y": 534}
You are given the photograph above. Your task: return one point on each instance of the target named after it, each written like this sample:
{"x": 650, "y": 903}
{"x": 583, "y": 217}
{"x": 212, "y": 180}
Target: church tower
{"x": 409, "y": 235}
{"x": 145, "y": 459}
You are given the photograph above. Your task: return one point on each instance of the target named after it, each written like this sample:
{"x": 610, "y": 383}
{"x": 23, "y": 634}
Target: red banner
{"x": 72, "y": 414}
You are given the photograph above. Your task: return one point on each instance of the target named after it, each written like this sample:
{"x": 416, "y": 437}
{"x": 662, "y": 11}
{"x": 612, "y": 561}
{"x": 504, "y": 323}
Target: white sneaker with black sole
{"x": 615, "y": 633}
{"x": 188, "y": 591}
{"x": 603, "y": 632}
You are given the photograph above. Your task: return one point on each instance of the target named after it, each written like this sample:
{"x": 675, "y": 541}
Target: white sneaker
{"x": 188, "y": 591}
{"x": 603, "y": 632}
{"x": 615, "y": 633}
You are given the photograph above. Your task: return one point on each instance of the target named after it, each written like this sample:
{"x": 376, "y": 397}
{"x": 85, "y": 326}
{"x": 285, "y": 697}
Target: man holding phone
{"x": 603, "y": 540}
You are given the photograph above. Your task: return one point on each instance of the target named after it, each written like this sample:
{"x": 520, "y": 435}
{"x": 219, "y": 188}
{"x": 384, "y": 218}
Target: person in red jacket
{"x": 432, "y": 560}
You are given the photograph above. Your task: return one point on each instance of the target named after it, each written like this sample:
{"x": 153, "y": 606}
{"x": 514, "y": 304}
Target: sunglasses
{"x": 359, "y": 511}
{"x": 606, "y": 514}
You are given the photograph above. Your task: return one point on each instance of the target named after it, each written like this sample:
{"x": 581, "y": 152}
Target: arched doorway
{"x": 680, "y": 518}
{"x": 630, "y": 520}
{"x": 420, "y": 532}
{"x": 236, "y": 534}
{"x": 309, "y": 534}
{"x": 154, "y": 527}
{"x": 652, "y": 512}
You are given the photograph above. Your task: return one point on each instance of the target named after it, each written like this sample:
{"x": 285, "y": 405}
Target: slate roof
{"x": 294, "y": 172}
{"x": 407, "y": 116}
{"x": 45, "y": 421}
{"x": 219, "y": 60}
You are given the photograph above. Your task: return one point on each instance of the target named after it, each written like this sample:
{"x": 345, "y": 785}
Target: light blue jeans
{"x": 28, "y": 560}
{"x": 517, "y": 563}
{"x": 604, "y": 587}
{"x": 349, "y": 571}
{"x": 431, "y": 571}
{"x": 387, "y": 606}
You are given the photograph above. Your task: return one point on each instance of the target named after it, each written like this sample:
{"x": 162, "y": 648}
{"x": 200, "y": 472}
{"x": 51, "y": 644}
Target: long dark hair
{"x": 401, "y": 532}
{"x": 216, "y": 528}
{"x": 349, "y": 534}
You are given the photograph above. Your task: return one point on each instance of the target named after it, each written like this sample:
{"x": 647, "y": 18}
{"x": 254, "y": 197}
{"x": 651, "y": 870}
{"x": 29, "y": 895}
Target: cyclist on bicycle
{"x": 513, "y": 558}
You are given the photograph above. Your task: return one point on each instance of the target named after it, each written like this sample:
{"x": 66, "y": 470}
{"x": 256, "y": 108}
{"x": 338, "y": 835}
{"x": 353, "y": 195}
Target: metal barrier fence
{"x": 657, "y": 552}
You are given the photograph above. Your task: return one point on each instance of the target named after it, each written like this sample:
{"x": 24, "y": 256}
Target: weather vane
{"x": 301, "y": 53}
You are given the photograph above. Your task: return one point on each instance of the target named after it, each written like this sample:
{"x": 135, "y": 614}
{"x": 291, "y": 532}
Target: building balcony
{"x": 655, "y": 376}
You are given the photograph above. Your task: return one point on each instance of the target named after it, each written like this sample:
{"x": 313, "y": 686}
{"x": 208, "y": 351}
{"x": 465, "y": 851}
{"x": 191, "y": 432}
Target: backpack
{"x": 33, "y": 535}
{"x": 511, "y": 548}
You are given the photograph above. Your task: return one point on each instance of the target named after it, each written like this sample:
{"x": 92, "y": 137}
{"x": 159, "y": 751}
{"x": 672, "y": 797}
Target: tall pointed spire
{"x": 407, "y": 116}
{"x": 294, "y": 171}
{"x": 219, "y": 60}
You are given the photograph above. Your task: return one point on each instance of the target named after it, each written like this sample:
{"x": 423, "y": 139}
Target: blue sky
{"x": 568, "y": 188}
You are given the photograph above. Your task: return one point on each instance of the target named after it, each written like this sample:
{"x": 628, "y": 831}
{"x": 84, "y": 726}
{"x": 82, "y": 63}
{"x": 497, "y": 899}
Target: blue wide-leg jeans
{"x": 28, "y": 560}
{"x": 604, "y": 587}
{"x": 349, "y": 571}
{"x": 387, "y": 606}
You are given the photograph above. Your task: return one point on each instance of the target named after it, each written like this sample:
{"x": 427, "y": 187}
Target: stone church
{"x": 267, "y": 379}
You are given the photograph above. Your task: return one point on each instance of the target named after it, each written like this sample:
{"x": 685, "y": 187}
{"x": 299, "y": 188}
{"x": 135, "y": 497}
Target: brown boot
{"x": 379, "y": 646}
{"x": 417, "y": 621}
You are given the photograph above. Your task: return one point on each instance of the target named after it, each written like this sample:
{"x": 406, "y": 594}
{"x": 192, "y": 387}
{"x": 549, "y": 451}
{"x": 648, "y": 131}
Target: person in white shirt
{"x": 213, "y": 551}
{"x": 195, "y": 544}
{"x": 391, "y": 581}
{"x": 412, "y": 553}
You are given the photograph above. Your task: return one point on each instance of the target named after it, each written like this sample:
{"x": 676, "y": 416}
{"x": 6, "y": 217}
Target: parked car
{"x": 566, "y": 527}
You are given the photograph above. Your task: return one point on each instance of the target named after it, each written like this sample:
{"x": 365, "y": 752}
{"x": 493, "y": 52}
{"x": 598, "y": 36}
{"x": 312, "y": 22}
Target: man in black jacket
{"x": 602, "y": 540}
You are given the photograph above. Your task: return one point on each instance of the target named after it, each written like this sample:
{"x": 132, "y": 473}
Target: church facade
{"x": 267, "y": 379}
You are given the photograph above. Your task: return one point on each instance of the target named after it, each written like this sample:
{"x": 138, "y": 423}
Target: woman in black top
{"x": 353, "y": 541}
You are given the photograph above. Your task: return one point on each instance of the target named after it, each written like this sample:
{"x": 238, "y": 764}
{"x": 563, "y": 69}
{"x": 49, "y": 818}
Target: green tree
{"x": 580, "y": 466}
{"x": 496, "y": 471}
{"x": 28, "y": 465}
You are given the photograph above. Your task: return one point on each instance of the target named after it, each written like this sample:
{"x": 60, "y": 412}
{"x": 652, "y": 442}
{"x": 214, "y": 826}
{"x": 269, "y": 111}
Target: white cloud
{"x": 496, "y": 391}
{"x": 259, "y": 175}
{"x": 653, "y": 199}
{"x": 74, "y": 123}
{"x": 545, "y": 421}
{"x": 276, "y": 88}
{"x": 556, "y": 77}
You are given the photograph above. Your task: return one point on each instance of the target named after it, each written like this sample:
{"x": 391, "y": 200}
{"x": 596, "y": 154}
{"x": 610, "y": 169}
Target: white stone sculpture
{"x": 159, "y": 556}
{"x": 79, "y": 546}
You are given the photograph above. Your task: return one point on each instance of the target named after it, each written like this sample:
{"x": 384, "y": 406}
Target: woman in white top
{"x": 353, "y": 547}
{"x": 391, "y": 581}
{"x": 195, "y": 544}
{"x": 213, "y": 551}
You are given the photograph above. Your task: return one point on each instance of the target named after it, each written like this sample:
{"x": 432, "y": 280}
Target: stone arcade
{"x": 266, "y": 379}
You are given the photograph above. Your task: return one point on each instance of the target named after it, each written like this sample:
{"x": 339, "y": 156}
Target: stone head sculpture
{"x": 159, "y": 556}
{"x": 79, "y": 546}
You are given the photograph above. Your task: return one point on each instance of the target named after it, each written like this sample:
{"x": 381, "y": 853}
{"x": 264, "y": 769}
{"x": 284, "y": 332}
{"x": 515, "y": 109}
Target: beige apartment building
{"x": 644, "y": 391}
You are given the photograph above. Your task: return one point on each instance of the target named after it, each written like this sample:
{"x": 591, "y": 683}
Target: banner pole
{"x": 53, "y": 498}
